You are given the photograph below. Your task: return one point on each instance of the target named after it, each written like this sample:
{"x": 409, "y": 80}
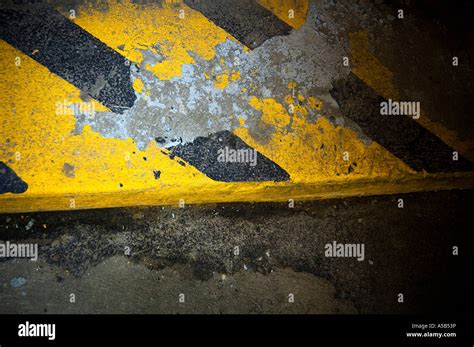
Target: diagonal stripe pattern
{"x": 69, "y": 52}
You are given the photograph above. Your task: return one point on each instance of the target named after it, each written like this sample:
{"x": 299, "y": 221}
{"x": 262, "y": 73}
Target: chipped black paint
{"x": 245, "y": 20}
{"x": 401, "y": 135}
{"x": 203, "y": 154}
{"x": 70, "y": 52}
{"x": 10, "y": 182}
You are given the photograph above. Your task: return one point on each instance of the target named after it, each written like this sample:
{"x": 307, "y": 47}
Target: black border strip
{"x": 328, "y": 330}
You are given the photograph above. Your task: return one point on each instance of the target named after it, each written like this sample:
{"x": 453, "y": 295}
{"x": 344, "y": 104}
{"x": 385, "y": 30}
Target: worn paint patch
{"x": 138, "y": 85}
{"x": 47, "y": 140}
{"x": 68, "y": 170}
{"x": 183, "y": 108}
{"x": 213, "y": 95}
{"x": 320, "y": 151}
{"x": 132, "y": 30}
{"x": 276, "y": 106}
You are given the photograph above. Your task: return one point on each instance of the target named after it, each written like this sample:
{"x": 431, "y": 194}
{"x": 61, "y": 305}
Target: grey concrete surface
{"x": 139, "y": 260}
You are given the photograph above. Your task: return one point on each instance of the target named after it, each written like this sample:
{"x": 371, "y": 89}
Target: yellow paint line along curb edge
{"x": 235, "y": 192}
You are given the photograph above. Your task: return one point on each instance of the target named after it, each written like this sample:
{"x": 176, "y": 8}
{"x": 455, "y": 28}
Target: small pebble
{"x": 30, "y": 224}
{"x": 17, "y": 282}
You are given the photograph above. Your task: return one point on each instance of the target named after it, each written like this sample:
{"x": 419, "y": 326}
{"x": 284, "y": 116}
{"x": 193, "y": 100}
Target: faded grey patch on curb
{"x": 69, "y": 170}
{"x": 183, "y": 108}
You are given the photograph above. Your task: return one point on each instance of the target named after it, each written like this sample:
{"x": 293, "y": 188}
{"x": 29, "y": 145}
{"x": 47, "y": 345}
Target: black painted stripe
{"x": 203, "y": 153}
{"x": 9, "y": 181}
{"x": 69, "y": 52}
{"x": 245, "y": 20}
{"x": 401, "y": 135}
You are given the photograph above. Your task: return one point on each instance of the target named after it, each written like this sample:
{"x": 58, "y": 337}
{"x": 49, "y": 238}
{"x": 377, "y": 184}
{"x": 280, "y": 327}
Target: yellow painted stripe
{"x": 315, "y": 152}
{"x": 112, "y": 172}
{"x": 235, "y": 192}
{"x": 134, "y": 29}
{"x": 46, "y": 140}
{"x": 292, "y": 12}
{"x": 368, "y": 68}
{"x": 114, "y": 28}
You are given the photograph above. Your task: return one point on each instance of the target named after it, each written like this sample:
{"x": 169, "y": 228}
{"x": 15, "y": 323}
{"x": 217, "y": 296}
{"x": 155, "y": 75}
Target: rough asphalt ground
{"x": 191, "y": 251}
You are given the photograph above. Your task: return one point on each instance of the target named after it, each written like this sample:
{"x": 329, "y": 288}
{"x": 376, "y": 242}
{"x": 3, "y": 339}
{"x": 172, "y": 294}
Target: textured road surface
{"x": 281, "y": 251}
